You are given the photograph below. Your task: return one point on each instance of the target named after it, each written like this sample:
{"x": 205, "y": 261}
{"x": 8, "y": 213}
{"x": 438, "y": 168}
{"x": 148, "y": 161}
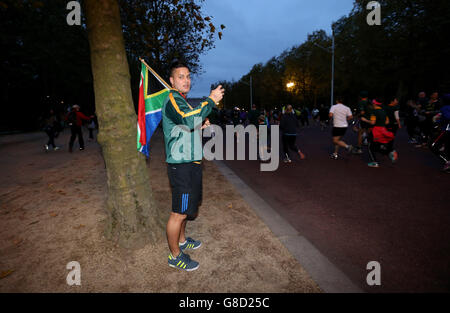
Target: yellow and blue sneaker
{"x": 183, "y": 261}
{"x": 190, "y": 244}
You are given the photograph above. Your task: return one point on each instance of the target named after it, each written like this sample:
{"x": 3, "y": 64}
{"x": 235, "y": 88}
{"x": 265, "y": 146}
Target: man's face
{"x": 181, "y": 80}
{"x": 422, "y": 95}
{"x": 435, "y": 96}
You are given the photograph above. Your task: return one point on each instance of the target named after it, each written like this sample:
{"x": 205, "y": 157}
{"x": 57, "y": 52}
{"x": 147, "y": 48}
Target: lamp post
{"x": 332, "y": 66}
{"x": 332, "y": 63}
{"x": 251, "y": 91}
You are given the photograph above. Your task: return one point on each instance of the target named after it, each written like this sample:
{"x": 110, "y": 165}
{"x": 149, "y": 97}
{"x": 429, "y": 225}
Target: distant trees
{"x": 164, "y": 30}
{"x": 44, "y": 61}
{"x": 407, "y": 53}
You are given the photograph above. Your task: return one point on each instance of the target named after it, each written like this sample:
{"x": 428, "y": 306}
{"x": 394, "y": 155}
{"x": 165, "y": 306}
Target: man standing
{"x": 184, "y": 167}
{"x": 340, "y": 114}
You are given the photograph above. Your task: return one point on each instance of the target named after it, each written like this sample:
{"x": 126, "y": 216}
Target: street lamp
{"x": 332, "y": 62}
{"x": 290, "y": 85}
{"x": 251, "y": 91}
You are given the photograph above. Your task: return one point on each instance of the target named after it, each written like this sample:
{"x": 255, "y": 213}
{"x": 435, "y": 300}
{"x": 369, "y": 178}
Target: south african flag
{"x": 149, "y": 112}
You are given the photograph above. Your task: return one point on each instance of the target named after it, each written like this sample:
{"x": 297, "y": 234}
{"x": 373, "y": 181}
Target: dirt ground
{"x": 52, "y": 212}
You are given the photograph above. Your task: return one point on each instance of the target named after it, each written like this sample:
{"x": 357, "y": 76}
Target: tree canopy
{"x": 406, "y": 54}
{"x": 45, "y": 62}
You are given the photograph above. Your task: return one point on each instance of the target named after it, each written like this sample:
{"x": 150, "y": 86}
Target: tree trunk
{"x": 133, "y": 218}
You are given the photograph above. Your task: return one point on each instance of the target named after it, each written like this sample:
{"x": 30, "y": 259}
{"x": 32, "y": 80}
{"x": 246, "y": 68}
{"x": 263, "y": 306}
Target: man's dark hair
{"x": 339, "y": 99}
{"x": 392, "y": 98}
{"x": 177, "y": 64}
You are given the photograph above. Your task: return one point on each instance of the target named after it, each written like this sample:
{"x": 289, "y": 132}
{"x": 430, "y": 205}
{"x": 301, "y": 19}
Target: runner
{"x": 323, "y": 117}
{"x": 364, "y": 112}
{"x": 288, "y": 126}
{"x": 340, "y": 114}
{"x": 380, "y": 140}
{"x": 392, "y": 111}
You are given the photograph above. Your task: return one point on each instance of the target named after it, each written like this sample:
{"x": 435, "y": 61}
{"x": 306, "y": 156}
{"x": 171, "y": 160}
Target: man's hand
{"x": 217, "y": 94}
{"x": 206, "y": 124}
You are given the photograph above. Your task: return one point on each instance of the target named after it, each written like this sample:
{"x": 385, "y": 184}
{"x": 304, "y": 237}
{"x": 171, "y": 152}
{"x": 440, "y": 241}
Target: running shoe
{"x": 349, "y": 148}
{"x": 447, "y": 167}
{"x": 190, "y": 244}
{"x": 334, "y": 156}
{"x": 56, "y": 148}
{"x": 287, "y": 160}
{"x": 183, "y": 262}
{"x": 357, "y": 151}
{"x": 46, "y": 148}
{"x": 373, "y": 164}
{"x": 393, "y": 156}
{"x": 302, "y": 155}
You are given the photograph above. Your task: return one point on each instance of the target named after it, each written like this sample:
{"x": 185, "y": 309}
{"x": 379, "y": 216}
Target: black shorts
{"x": 186, "y": 182}
{"x": 339, "y": 131}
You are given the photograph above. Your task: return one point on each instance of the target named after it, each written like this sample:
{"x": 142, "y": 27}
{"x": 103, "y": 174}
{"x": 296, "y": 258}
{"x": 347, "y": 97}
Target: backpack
{"x": 72, "y": 118}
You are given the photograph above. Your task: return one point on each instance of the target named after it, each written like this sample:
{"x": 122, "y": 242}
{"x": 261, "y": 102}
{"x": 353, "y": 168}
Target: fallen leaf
{"x": 53, "y": 214}
{"x": 18, "y": 241}
{"x": 5, "y": 273}
{"x": 79, "y": 226}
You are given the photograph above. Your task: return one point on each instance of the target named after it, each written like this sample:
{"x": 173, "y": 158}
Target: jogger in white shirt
{"x": 340, "y": 114}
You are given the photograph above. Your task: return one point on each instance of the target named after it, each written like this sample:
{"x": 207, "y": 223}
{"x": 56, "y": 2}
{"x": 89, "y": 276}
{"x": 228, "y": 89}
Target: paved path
{"x": 397, "y": 215}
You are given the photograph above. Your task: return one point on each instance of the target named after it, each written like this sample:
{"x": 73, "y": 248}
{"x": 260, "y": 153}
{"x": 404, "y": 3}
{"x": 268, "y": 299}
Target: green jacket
{"x": 183, "y": 144}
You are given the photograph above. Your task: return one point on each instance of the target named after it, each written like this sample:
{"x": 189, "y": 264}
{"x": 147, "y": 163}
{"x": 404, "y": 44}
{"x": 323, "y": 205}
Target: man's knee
{"x": 177, "y": 217}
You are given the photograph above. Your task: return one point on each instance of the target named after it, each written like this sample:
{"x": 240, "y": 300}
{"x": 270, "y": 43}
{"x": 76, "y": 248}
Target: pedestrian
{"x": 441, "y": 145}
{"x": 51, "y": 128}
{"x": 393, "y": 115}
{"x": 304, "y": 116}
{"x": 184, "y": 168}
{"x": 75, "y": 119}
{"x": 412, "y": 121}
{"x": 253, "y": 116}
{"x": 364, "y": 108}
{"x": 430, "y": 109}
{"x": 323, "y": 117}
{"x": 91, "y": 127}
{"x": 340, "y": 114}
{"x": 315, "y": 115}
{"x": 288, "y": 127}
{"x": 380, "y": 140}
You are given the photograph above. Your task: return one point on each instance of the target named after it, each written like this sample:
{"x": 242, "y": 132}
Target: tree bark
{"x": 133, "y": 217}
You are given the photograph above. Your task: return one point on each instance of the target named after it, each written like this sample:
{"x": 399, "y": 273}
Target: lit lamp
{"x": 290, "y": 85}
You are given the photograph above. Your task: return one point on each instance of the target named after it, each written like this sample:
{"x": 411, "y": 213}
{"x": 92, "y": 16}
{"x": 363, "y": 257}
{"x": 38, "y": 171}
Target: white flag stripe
{"x": 151, "y": 112}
